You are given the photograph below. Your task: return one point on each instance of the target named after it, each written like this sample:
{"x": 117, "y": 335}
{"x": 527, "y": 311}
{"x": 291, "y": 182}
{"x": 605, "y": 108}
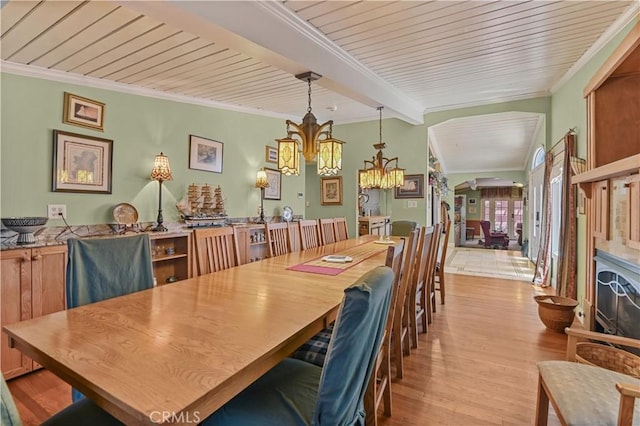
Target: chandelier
{"x": 378, "y": 172}
{"x": 316, "y": 140}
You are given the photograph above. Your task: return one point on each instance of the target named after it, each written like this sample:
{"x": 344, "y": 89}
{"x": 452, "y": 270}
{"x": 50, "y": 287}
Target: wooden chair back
{"x": 340, "y": 226}
{"x": 278, "y": 240}
{"x": 216, "y": 249}
{"x": 429, "y": 295}
{"x": 309, "y": 234}
{"x": 418, "y": 284}
{"x": 379, "y": 387}
{"x": 294, "y": 237}
{"x": 439, "y": 273}
{"x": 327, "y": 231}
{"x": 400, "y": 342}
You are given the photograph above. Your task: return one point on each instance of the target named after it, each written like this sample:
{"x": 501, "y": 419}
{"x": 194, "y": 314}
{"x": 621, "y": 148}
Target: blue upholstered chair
{"x": 296, "y": 392}
{"x": 103, "y": 268}
{"x": 83, "y": 412}
{"x": 402, "y": 228}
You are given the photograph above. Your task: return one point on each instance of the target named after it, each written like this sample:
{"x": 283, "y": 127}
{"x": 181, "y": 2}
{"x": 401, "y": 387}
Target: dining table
{"x": 178, "y": 352}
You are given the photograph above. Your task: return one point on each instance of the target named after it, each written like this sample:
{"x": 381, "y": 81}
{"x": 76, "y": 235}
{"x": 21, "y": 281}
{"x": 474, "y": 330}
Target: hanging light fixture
{"x": 378, "y": 172}
{"x": 316, "y": 140}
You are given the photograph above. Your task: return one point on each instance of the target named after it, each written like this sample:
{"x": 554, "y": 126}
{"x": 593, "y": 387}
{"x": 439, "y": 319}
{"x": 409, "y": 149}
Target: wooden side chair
{"x": 439, "y": 284}
{"x": 340, "y": 226}
{"x": 400, "y": 344}
{"x": 429, "y": 295}
{"x": 216, "y": 249}
{"x": 278, "y": 239}
{"x": 418, "y": 285}
{"x": 379, "y": 387}
{"x": 597, "y": 384}
{"x": 327, "y": 231}
{"x": 297, "y": 392}
{"x": 294, "y": 237}
{"x": 309, "y": 234}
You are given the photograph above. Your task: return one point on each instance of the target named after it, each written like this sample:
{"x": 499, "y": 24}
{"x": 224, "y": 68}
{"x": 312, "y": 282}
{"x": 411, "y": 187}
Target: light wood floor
{"x": 476, "y": 366}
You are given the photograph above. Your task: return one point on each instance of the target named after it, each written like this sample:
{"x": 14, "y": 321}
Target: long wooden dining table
{"x": 178, "y": 352}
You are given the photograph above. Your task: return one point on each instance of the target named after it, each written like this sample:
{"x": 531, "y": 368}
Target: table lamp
{"x": 262, "y": 183}
{"x": 161, "y": 171}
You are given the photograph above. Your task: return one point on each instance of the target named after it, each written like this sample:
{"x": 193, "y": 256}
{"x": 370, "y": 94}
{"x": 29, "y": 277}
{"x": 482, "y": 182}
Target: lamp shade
{"x": 161, "y": 168}
{"x": 288, "y": 156}
{"x": 261, "y": 179}
{"x": 329, "y": 157}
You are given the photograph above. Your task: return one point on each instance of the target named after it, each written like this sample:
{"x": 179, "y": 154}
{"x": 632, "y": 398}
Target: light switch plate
{"x": 412, "y": 204}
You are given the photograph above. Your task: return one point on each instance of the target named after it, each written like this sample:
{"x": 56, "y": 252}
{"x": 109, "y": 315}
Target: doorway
{"x": 536, "y": 196}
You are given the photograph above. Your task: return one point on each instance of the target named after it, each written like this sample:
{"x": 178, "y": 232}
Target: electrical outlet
{"x": 412, "y": 204}
{"x": 56, "y": 211}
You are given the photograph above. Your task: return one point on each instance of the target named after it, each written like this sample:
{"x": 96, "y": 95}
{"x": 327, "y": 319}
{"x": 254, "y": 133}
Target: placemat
{"x": 358, "y": 253}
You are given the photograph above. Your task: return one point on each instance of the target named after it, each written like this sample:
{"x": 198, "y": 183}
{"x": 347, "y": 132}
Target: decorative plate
{"x": 125, "y": 214}
{"x": 287, "y": 214}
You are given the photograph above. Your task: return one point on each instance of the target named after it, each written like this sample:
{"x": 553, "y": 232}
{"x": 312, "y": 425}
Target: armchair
{"x": 493, "y": 239}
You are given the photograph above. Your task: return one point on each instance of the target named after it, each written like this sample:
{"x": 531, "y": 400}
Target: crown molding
{"x": 65, "y": 77}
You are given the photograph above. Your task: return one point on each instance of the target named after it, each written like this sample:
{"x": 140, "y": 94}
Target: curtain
{"x": 567, "y": 247}
{"x": 541, "y": 274}
{"x": 501, "y": 192}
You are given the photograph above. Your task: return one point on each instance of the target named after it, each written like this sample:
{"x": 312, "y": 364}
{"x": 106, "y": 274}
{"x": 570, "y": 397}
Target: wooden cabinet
{"x": 633, "y": 211}
{"x": 252, "y": 243}
{"x": 171, "y": 257}
{"x": 32, "y": 284}
{"x": 373, "y": 225}
{"x": 601, "y": 209}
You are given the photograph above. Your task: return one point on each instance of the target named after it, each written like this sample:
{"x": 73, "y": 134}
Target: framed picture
{"x": 275, "y": 184}
{"x": 471, "y": 201}
{"x": 413, "y": 187}
{"x": 472, "y": 210}
{"x": 331, "y": 191}
{"x": 81, "y": 163}
{"x": 83, "y": 112}
{"x": 271, "y": 154}
{"x": 205, "y": 154}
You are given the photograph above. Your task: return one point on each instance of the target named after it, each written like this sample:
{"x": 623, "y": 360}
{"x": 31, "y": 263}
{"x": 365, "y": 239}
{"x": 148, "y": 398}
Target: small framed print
{"x": 471, "y": 201}
{"x": 83, "y": 112}
{"x": 205, "y": 154}
{"x": 271, "y": 154}
{"x": 275, "y": 184}
{"x": 331, "y": 191}
{"x": 413, "y": 187}
{"x": 81, "y": 163}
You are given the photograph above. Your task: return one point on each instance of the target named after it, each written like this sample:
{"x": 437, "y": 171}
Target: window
{"x": 501, "y": 216}
{"x": 538, "y": 158}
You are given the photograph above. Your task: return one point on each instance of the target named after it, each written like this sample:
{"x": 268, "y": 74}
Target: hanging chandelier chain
{"x": 380, "y": 109}
{"x": 309, "y": 82}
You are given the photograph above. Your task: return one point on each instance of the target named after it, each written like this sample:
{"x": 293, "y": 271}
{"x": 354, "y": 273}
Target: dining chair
{"x": 439, "y": 284}
{"x": 402, "y": 228}
{"x": 327, "y": 231}
{"x": 428, "y": 296}
{"x": 216, "y": 249}
{"x": 309, "y": 234}
{"x": 300, "y": 393}
{"x": 598, "y": 384}
{"x": 83, "y": 412}
{"x": 278, "y": 241}
{"x": 418, "y": 283}
{"x": 340, "y": 225}
{"x": 103, "y": 268}
{"x": 400, "y": 344}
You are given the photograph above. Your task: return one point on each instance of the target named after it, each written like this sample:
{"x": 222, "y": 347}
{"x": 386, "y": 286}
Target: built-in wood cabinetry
{"x": 252, "y": 243}
{"x": 373, "y": 225}
{"x": 600, "y": 194}
{"x": 32, "y": 284}
{"x": 633, "y": 206}
{"x": 171, "y": 256}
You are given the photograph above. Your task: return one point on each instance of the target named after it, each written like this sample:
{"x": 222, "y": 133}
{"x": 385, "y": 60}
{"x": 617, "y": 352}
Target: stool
{"x": 471, "y": 231}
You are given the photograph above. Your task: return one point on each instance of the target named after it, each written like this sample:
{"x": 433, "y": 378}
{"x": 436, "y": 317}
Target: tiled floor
{"x": 506, "y": 264}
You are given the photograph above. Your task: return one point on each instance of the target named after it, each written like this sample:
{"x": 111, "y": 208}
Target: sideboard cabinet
{"x": 32, "y": 284}
{"x": 171, "y": 257}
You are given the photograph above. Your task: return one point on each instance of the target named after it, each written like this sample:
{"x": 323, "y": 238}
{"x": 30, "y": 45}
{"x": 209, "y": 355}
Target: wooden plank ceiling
{"x": 413, "y": 57}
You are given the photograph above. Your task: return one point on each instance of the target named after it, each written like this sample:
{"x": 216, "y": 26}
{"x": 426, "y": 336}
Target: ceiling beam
{"x": 270, "y": 32}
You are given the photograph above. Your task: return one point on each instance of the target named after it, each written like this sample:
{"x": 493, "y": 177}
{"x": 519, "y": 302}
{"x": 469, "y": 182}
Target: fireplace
{"x": 617, "y": 295}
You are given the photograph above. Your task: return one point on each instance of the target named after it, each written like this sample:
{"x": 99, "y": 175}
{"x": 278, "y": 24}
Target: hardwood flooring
{"x": 475, "y": 366}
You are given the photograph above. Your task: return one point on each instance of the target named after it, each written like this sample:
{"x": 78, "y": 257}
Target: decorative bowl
{"x": 556, "y": 312}
{"x": 25, "y": 227}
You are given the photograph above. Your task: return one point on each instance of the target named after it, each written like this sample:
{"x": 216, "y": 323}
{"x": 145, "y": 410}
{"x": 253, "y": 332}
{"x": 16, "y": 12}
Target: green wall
{"x": 569, "y": 109}
{"x": 140, "y": 128}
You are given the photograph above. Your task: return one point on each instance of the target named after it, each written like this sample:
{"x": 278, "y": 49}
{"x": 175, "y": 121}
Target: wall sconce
{"x": 161, "y": 171}
{"x": 262, "y": 183}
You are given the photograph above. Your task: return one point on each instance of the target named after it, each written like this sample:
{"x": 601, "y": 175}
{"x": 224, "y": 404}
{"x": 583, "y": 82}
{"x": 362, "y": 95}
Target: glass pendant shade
{"x": 288, "y": 157}
{"x": 329, "y": 157}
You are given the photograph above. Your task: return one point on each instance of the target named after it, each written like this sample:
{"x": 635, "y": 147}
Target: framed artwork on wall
{"x": 275, "y": 184}
{"x": 413, "y": 187}
{"x": 271, "y": 154}
{"x": 471, "y": 201}
{"x": 83, "y": 112}
{"x": 81, "y": 163}
{"x": 205, "y": 154}
{"x": 331, "y": 191}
